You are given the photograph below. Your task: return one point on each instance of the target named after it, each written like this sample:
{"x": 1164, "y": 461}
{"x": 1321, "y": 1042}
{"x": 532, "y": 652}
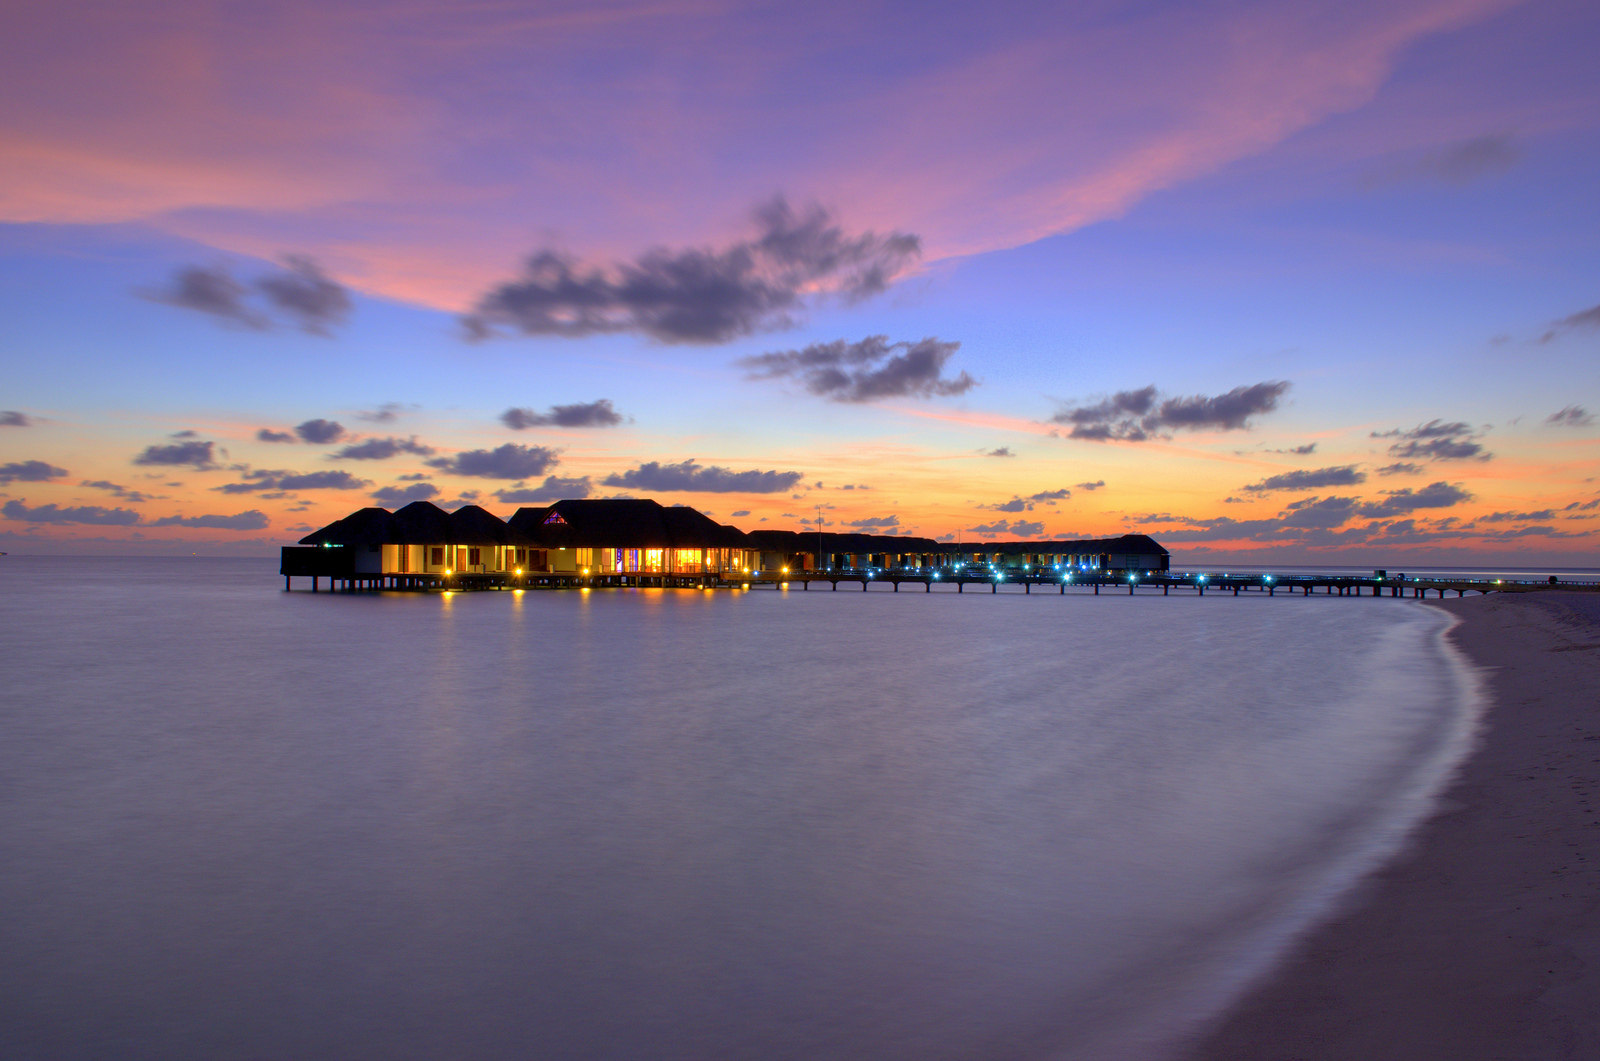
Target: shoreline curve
{"x": 1480, "y": 940}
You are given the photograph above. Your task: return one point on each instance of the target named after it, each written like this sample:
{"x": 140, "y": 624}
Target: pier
{"x": 1164, "y": 583}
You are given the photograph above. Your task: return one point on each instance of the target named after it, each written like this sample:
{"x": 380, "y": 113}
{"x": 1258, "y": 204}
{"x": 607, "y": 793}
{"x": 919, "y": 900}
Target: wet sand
{"x": 1481, "y": 941}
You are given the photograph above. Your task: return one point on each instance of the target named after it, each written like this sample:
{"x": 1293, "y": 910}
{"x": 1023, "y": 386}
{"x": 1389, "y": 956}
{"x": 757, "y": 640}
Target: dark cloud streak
{"x": 699, "y": 295}
{"x": 865, "y": 371}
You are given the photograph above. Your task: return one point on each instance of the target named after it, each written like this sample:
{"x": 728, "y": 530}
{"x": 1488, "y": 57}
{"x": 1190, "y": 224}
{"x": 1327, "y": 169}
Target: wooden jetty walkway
{"x": 1008, "y": 580}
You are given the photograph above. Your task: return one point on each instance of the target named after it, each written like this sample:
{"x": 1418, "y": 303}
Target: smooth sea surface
{"x": 247, "y": 824}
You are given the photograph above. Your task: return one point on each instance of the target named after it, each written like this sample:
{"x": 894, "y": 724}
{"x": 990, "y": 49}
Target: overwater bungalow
{"x": 634, "y": 540}
{"x": 632, "y": 537}
{"x": 419, "y": 539}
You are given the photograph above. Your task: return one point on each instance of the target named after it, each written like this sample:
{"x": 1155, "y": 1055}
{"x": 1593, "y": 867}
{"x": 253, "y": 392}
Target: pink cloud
{"x": 421, "y": 150}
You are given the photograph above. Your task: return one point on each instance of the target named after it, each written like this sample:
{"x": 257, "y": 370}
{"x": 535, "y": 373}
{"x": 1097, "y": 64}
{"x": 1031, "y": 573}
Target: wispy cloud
{"x": 1436, "y": 440}
{"x": 1583, "y": 320}
{"x": 123, "y": 492}
{"x": 12, "y": 418}
{"x": 1571, "y": 416}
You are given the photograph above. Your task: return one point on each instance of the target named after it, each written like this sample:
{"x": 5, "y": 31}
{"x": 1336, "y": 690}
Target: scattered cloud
{"x": 12, "y": 418}
{"x": 377, "y": 449}
{"x": 211, "y": 290}
{"x": 1137, "y": 415}
{"x": 700, "y": 295}
{"x": 1588, "y": 318}
{"x": 197, "y": 455}
{"x": 865, "y": 371}
{"x": 266, "y": 434}
{"x": 1517, "y": 517}
{"x": 300, "y": 291}
{"x": 320, "y": 432}
{"x": 509, "y": 461}
{"x": 1296, "y": 451}
{"x": 1436, "y": 440}
{"x": 1310, "y": 479}
{"x": 29, "y": 472}
{"x": 599, "y": 413}
{"x": 871, "y": 522}
{"x": 1470, "y": 159}
{"x": 1401, "y": 468}
{"x": 251, "y": 520}
{"x": 741, "y": 512}
{"x": 554, "y": 488}
{"x": 710, "y": 479}
{"x": 120, "y": 491}
{"x": 1434, "y": 495}
{"x": 386, "y": 413}
{"x": 1096, "y": 485}
{"x": 1571, "y": 416}
{"x": 1026, "y": 504}
{"x": 1003, "y": 451}
{"x": 1016, "y": 528}
{"x": 86, "y": 514}
{"x": 404, "y": 495}
{"x": 305, "y": 294}
{"x": 258, "y": 481}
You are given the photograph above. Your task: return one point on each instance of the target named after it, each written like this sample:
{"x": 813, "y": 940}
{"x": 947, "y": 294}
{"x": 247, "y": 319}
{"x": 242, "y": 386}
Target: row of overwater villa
{"x": 623, "y": 541}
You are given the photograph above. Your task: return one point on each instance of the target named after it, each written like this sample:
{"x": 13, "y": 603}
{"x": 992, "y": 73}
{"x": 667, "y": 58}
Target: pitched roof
{"x": 473, "y": 525}
{"x": 624, "y": 523}
{"x": 366, "y": 526}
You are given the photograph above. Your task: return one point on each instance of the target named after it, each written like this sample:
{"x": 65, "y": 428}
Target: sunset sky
{"x": 1270, "y": 281}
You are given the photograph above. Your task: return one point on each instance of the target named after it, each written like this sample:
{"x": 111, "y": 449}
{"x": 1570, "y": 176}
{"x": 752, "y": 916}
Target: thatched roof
{"x": 624, "y": 523}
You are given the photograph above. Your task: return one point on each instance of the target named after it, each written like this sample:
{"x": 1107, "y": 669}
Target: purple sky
{"x": 1282, "y": 281}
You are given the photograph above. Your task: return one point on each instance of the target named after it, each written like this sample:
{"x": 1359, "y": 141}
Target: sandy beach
{"x": 1482, "y": 939}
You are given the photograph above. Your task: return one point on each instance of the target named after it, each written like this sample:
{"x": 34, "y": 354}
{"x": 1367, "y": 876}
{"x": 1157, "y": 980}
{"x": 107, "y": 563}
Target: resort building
{"x": 419, "y": 539}
{"x": 622, "y": 536}
{"x": 626, "y": 541}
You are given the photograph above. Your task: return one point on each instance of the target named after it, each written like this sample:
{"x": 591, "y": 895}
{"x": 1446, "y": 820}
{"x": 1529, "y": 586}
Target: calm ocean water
{"x": 244, "y": 824}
